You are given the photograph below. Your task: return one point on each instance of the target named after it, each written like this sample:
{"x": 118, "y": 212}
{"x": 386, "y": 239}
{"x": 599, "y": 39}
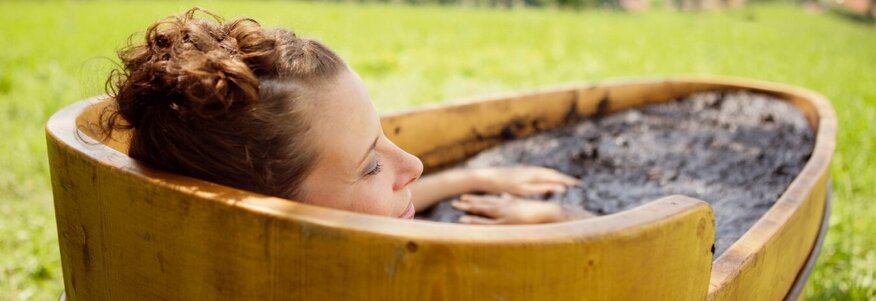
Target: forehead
{"x": 344, "y": 122}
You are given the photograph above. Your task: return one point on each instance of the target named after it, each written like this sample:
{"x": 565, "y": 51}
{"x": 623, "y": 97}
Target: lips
{"x": 409, "y": 212}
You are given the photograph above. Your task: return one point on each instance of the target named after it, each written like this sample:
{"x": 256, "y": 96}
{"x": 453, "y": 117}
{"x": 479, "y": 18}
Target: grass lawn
{"x": 59, "y": 52}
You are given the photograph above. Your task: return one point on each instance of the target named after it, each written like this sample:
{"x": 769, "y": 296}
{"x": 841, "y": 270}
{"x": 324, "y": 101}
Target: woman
{"x": 267, "y": 111}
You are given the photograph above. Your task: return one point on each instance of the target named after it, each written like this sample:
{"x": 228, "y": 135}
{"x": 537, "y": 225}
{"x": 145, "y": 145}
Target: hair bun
{"x": 253, "y": 44}
{"x": 213, "y": 83}
{"x": 193, "y": 67}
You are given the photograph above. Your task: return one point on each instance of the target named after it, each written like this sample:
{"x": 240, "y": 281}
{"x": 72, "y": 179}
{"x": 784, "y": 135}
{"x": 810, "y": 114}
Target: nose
{"x": 409, "y": 170}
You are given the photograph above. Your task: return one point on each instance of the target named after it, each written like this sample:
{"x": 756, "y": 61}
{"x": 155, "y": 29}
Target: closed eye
{"x": 375, "y": 170}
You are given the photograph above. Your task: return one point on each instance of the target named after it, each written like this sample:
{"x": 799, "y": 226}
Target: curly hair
{"x": 221, "y": 101}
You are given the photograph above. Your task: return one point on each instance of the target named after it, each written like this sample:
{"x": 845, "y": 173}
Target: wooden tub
{"x": 130, "y": 232}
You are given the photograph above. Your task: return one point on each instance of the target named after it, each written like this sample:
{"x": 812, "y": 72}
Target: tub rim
{"x": 62, "y": 127}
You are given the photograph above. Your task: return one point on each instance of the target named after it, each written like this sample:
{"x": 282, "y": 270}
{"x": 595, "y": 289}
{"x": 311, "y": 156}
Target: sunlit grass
{"x": 56, "y": 53}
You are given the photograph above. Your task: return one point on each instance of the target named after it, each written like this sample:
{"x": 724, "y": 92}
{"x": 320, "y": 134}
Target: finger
{"x": 460, "y": 205}
{"x": 485, "y": 199}
{"x": 479, "y": 208}
{"x": 541, "y": 189}
{"x": 554, "y": 176}
{"x": 477, "y": 220}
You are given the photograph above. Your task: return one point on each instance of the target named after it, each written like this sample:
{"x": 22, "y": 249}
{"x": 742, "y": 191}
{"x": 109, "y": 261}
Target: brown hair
{"x": 221, "y": 101}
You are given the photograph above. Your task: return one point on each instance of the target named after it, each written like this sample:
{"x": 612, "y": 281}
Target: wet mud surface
{"x": 736, "y": 150}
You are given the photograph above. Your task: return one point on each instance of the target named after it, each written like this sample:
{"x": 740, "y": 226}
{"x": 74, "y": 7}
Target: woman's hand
{"x": 523, "y": 181}
{"x": 505, "y": 209}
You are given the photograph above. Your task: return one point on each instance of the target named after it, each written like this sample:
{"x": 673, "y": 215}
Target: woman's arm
{"x": 430, "y": 189}
{"x": 519, "y": 180}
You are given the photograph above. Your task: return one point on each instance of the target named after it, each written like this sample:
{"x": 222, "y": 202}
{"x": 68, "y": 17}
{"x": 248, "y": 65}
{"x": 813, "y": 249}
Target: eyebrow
{"x": 373, "y": 145}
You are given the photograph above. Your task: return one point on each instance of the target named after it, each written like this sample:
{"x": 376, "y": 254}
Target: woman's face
{"x": 358, "y": 168}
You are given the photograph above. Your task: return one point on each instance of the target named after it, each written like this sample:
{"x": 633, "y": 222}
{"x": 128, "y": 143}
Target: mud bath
{"x": 736, "y": 150}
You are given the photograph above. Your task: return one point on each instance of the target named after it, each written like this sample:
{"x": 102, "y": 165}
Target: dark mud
{"x": 736, "y": 150}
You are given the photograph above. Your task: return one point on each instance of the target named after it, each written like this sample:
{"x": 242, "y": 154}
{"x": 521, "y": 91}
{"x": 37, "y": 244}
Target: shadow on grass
{"x": 849, "y": 15}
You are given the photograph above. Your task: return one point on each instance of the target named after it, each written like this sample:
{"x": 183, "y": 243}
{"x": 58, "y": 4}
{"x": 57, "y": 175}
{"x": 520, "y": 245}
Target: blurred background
{"x": 414, "y": 52}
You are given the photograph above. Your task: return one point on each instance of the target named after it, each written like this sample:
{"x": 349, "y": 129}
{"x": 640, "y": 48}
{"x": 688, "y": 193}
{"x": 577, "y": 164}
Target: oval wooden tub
{"x": 130, "y": 232}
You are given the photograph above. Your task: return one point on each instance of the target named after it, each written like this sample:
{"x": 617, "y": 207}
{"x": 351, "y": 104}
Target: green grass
{"x": 56, "y": 53}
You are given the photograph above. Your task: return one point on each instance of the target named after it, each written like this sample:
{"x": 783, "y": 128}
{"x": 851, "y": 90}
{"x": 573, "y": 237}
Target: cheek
{"x": 375, "y": 195}
{"x": 372, "y": 195}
